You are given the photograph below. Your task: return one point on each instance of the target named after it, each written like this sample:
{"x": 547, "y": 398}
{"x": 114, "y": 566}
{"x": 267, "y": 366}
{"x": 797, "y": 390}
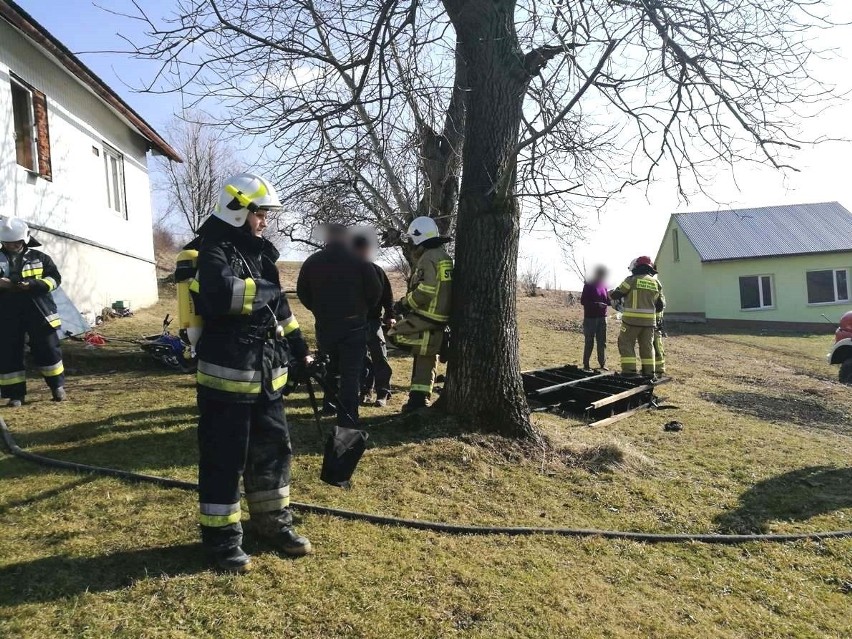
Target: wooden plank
{"x": 574, "y": 382}
{"x": 615, "y": 398}
{"x": 620, "y": 416}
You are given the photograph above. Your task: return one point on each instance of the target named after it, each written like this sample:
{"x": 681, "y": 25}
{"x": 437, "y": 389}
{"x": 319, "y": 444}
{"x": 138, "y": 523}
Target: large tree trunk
{"x": 484, "y": 378}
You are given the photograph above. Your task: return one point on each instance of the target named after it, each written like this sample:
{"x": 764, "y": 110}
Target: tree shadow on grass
{"x": 59, "y": 577}
{"x": 794, "y": 496}
{"x": 122, "y": 423}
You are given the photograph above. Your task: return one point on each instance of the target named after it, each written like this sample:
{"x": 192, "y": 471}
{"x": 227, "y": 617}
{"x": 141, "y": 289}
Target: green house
{"x": 778, "y": 267}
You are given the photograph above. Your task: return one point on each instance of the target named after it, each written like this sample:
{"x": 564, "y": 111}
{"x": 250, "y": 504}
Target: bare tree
{"x": 192, "y": 188}
{"x": 564, "y": 103}
{"x": 530, "y": 277}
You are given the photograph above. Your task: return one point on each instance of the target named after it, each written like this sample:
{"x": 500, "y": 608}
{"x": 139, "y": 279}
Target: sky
{"x": 627, "y": 227}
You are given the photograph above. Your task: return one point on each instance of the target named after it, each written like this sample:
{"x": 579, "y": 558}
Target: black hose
{"x": 453, "y": 529}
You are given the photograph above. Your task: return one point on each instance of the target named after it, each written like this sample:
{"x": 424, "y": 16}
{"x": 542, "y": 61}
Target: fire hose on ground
{"x": 431, "y": 526}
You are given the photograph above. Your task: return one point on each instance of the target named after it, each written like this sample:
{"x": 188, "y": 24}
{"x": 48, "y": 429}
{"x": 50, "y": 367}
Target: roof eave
{"x": 774, "y": 256}
{"x": 23, "y": 22}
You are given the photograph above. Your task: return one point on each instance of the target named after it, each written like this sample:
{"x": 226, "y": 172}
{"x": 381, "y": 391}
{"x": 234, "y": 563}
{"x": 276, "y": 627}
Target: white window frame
{"x": 32, "y": 123}
{"x": 759, "y": 292}
{"x": 834, "y": 272}
{"x": 116, "y": 202}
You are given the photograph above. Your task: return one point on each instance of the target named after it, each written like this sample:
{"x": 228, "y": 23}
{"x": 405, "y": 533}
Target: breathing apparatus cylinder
{"x": 188, "y": 317}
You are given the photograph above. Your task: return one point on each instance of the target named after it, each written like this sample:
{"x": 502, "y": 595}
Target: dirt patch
{"x": 801, "y": 411}
{"x": 562, "y": 325}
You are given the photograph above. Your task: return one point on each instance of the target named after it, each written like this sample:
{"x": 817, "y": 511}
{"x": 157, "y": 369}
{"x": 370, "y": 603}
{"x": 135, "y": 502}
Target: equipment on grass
{"x": 171, "y": 350}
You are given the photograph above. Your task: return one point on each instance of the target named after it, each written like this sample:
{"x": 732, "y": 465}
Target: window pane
{"x": 767, "y": 290}
{"x": 820, "y": 287}
{"x": 23, "y": 116}
{"x": 116, "y": 192}
{"x": 842, "y": 285}
{"x": 676, "y": 245}
{"x": 749, "y": 293}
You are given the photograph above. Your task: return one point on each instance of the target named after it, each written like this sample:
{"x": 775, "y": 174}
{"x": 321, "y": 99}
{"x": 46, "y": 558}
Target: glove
{"x": 400, "y": 307}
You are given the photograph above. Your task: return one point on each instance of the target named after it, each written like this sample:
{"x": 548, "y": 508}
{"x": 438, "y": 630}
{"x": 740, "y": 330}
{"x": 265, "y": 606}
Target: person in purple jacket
{"x": 595, "y": 301}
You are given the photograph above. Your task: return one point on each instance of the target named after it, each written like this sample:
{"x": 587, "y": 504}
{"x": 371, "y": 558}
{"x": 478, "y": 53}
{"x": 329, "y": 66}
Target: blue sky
{"x": 82, "y": 26}
{"x": 631, "y": 225}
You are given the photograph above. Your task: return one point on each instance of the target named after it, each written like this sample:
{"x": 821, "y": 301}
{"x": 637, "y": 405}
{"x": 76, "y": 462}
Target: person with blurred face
{"x": 27, "y": 311}
{"x": 595, "y": 302}
{"x": 340, "y": 288}
{"x": 380, "y": 315}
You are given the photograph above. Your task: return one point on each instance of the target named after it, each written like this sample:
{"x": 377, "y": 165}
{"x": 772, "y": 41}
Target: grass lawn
{"x": 766, "y": 447}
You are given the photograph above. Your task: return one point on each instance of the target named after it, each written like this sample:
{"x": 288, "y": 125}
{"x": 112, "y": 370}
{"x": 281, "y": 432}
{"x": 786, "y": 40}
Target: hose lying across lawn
{"x": 453, "y": 529}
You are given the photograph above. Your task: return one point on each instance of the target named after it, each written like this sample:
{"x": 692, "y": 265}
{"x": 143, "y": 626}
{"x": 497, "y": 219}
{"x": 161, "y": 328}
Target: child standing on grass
{"x": 595, "y": 302}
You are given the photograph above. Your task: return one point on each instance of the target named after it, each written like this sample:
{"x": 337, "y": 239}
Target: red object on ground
{"x": 93, "y": 339}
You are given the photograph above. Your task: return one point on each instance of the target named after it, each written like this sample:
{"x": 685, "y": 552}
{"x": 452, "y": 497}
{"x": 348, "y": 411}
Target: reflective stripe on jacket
{"x": 237, "y": 293}
{"x": 40, "y": 271}
{"x": 643, "y": 299}
{"x": 430, "y": 286}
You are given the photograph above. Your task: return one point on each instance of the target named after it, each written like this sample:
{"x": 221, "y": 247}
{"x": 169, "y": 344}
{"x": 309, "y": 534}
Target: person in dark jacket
{"x": 340, "y": 289}
{"x": 249, "y": 337}
{"x": 595, "y": 302}
{"x": 380, "y": 315}
{"x": 27, "y": 309}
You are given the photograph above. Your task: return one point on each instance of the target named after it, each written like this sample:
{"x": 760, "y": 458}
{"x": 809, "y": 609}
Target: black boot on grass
{"x": 232, "y": 559}
{"x": 277, "y": 529}
{"x": 416, "y": 401}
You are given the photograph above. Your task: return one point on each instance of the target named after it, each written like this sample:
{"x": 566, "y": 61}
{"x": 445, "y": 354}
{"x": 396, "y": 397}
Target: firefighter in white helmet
{"x": 27, "y": 309}
{"x": 426, "y": 308}
{"x": 248, "y": 338}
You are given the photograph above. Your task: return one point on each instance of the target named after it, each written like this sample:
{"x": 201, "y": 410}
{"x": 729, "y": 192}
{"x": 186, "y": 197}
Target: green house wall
{"x": 711, "y": 289}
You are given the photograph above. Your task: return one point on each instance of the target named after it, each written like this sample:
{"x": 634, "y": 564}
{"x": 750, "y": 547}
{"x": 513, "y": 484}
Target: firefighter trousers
{"x": 251, "y": 441}
{"x": 378, "y": 373}
{"x": 627, "y": 339}
{"x": 44, "y": 347}
{"x": 659, "y": 353}
{"x": 422, "y": 338}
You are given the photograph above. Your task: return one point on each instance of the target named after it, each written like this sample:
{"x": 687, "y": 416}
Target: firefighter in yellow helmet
{"x": 642, "y": 298}
{"x": 426, "y": 308}
{"x": 248, "y": 338}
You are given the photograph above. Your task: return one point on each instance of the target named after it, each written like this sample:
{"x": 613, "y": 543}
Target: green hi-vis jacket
{"x": 430, "y": 286}
{"x": 41, "y": 273}
{"x": 643, "y": 299}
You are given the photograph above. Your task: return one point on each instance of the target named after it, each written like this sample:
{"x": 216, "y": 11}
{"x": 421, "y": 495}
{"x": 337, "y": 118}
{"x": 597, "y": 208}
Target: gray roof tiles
{"x": 768, "y": 231}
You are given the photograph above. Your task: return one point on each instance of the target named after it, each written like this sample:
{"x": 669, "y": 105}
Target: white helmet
{"x": 421, "y": 229}
{"x": 14, "y": 229}
{"x": 242, "y": 194}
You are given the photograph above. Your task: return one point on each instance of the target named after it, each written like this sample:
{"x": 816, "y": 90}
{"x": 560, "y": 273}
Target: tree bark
{"x": 484, "y": 385}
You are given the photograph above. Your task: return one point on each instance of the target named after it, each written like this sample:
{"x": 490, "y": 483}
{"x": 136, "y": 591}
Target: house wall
{"x": 682, "y": 280}
{"x": 75, "y": 201}
{"x": 722, "y": 293}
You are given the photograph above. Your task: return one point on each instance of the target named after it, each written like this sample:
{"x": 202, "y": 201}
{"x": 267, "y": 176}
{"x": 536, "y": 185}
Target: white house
{"x": 74, "y": 165}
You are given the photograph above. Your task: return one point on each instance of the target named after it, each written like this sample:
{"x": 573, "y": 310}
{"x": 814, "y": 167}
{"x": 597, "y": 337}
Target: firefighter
{"x": 642, "y": 298}
{"x": 27, "y": 308}
{"x": 249, "y": 336}
{"x": 426, "y": 308}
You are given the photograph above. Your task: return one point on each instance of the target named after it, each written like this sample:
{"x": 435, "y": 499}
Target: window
{"x": 756, "y": 292}
{"x": 32, "y": 136}
{"x": 828, "y": 287}
{"x": 676, "y": 245}
{"x": 114, "y": 163}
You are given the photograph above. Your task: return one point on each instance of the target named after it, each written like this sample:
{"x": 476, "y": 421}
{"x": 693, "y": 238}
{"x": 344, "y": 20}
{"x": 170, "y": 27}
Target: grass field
{"x": 766, "y": 447}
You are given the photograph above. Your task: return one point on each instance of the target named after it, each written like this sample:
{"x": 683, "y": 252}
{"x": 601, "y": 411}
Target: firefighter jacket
{"x": 430, "y": 286}
{"x": 237, "y": 290}
{"x": 643, "y": 300}
{"x": 40, "y": 272}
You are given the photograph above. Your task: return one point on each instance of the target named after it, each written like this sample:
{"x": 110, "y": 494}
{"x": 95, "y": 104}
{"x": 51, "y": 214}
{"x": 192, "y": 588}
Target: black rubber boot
{"x": 230, "y": 559}
{"x": 15, "y": 402}
{"x": 416, "y": 401}
{"x": 59, "y": 394}
{"x": 277, "y": 529}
